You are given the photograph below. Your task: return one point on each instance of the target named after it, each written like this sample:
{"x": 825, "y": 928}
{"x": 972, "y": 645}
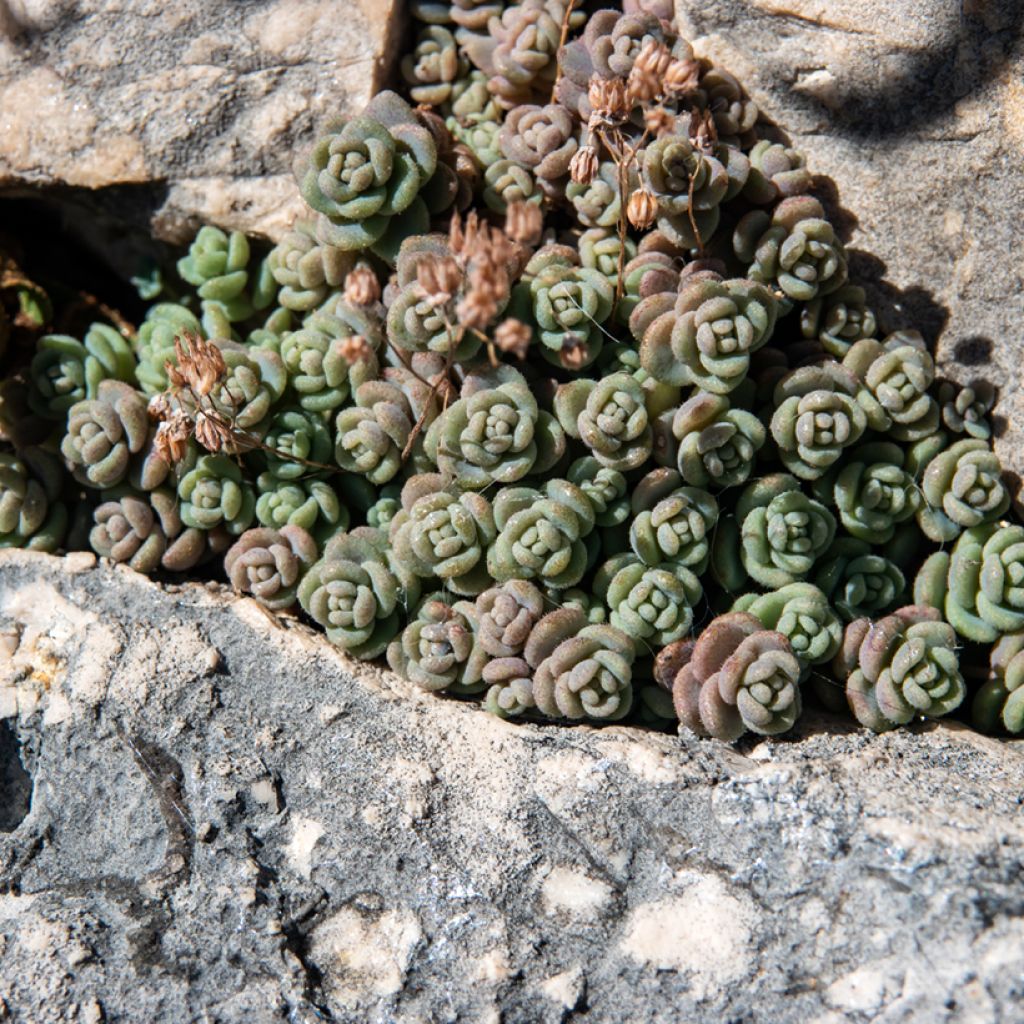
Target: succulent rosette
{"x": 900, "y": 667}
{"x": 737, "y": 677}
{"x": 295, "y": 438}
{"x": 433, "y": 67}
{"x": 215, "y": 494}
{"x": 104, "y": 433}
{"x": 268, "y": 564}
{"x": 30, "y": 515}
{"x": 154, "y": 344}
{"x": 776, "y": 172}
{"x": 999, "y": 703}
{"x": 672, "y": 522}
{"x": 443, "y": 534}
{"x": 506, "y": 615}
{"x": 543, "y": 139}
{"x": 494, "y": 433}
{"x": 708, "y": 337}
{"x": 598, "y": 203}
{"x": 717, "y": 443}
{"x": 838, "y": 320}
{"x": 605, "y": 488}
{"x": 873, "y": 492}
{"x": 306, "y": 269}
{"x": 356, "y": 590}
{"x": 857, "y": 580}
{"x": 965, "y": 410}
{"x": 802, "y": 614}
{"x": 310, "y": 504}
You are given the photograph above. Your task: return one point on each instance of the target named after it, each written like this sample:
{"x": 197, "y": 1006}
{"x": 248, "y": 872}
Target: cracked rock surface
{"x": 212, "y": 815}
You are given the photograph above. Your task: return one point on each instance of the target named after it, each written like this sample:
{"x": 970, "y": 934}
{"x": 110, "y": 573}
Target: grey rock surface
{"x": 229, "y": 822}
{"x": 202, "y": 104}
{"x": 914, "y": 109}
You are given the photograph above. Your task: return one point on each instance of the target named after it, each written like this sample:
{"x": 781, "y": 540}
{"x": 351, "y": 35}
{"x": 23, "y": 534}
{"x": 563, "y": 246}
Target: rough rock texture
{"x": 206, "y": 101}
{"x": 226, "y": 824}
{"x": 915, "y": 111}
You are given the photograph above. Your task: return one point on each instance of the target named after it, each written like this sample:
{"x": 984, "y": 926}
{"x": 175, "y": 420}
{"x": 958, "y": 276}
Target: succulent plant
{"x": 776, "y": 172}
{"x": 369, "y": 178}
{"x": 214, "y": 493}
{"x": 604, "y": 250}
{"x": 605, "y": 488}
{"x": 688, "y": 185}
{"x": 103, "y": 433}
{"x": 610, "y": 417}
{"x": 734, "y": 113}
{"x": 433, "y": 67}
{"x": 717, "y": 443}
{"x": 652, "y": 604}
{"x": 222, "y": 268}
{"x": 838, "y": 320}
{"x": 268, "y": 564}
{"x": 896, "y": 374}
{"x": 438, "y": 649}
{"x": 544, "y": 139}
{"x": 356, "y": 590}
{"x": 783, "y": 531}
{"x": 479, "y": 133}
{"x": 507, "y": 182}
{"x": 999, "y": 703}
{"x": 979, "y": 584}
{"x": 309, "y": 504}
{"x": 383, "y": 511}
{"x": 873, "y": 492}
{"x": 899, "y": 667}
{"x": 672, "y": 523}
{"x": 154, "y": 343}
{"x": 65, "y": 370}
{"x": 857, "y": 581}
{"x": 580, "y": 670}
{"x": 598, "y": 202}
{"x": 506, "y": 615}
{"x": 30, "y": 515}
{"x": 372, "y": 434}
{"x": 817, "y": 416}
{"x": 494, "y": 433}
{"x": 444, "y": 534}
{"x": 738, "y": 676}
{"x": 306, "y": 269}
{"x": 964, "y": 410}
{"x": 541, "y": 534}
{"x": 295, "y": 438}
{"x": 802, "y": 614}
{"x": 962, "y": 487}
{"x": 568, "y": 303}
{"x": 649, "y": 277}
{"x": 796, "y": 250}
{"x": 509, "y": 687}
{"x": 708, "y": 337}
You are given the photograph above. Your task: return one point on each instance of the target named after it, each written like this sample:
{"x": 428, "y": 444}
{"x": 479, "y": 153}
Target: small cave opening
{"x": 15, "y": 781}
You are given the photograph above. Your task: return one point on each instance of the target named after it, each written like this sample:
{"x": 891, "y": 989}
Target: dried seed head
{"x": 608, "y": 99}
{"x": 477, "y": 309}
{"x": 213, "y": 433}
{"x": 439, "y": 278}
{"x": 658, "y": 121}
{"x": 648, "y": 72}
{"x": 583, "y": 165}
{"x": 362, "y": 287}
{"x": 524, "y": 223}
{"x": 200, "y": 364}
{"x": 703, "y": 134}
{"x": 170, "y": 442}
{"x": 574, "y": 352}
{"x": 641, "y": 209}
{"x": 682, "y": 76}
{"x": 159, "y": 407}
{"x": 355, "y": 349}
{"x": 513, "y": 337}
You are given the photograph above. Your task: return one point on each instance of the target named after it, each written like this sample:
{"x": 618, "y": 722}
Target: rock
{"x": 203, "y": 105}
{"x": 915, "y": 112}
{"x": 275, "y": 834}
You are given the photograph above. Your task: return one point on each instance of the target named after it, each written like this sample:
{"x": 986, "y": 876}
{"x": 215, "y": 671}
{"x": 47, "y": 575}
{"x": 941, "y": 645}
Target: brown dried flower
{"x": 646, "y": 79}
{"x": 583, "y": 165}
{"x": 703, "y": 134}
{"x": 574, "y": 352}
{"x": 477, "y": 309}
{"x": 524, "y": 223}
{"x": 439, "y": 278}
{"x": 159, "y": 407}
{"x": 513, "y": 337}
{"x": 682, "y": 76}
{"x": 362, "y": 287}
{"x": 170, "y": 442}
{"x": 200, "y": 363}
{"x": 608, "y": 99}
{"x": 355, "y": 349}
{"x": 214, "y": 434}
{"x": 641, "y": 209}
{"x": 658, "y": 121}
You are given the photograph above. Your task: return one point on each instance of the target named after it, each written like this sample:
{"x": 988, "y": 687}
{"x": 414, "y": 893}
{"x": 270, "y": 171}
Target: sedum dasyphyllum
{"x": 998, "y": 706}
{"x": 268, "y": 564}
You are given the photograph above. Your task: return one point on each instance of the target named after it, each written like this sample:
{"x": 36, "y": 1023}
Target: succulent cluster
{"x": 561, "y": 398}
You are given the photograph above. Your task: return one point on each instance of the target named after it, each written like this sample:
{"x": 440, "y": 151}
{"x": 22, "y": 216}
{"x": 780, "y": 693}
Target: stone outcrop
{"x": 209, "y": 813}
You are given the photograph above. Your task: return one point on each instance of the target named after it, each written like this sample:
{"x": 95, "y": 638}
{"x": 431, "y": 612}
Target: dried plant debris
{"x": 561, "y": 397}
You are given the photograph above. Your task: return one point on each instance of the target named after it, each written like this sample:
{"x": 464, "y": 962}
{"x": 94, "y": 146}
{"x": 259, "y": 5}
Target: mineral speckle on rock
{"x": 295, "y": 837}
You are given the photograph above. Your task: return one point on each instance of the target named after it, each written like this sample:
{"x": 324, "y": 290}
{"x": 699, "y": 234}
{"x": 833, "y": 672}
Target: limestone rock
{"x": 915, "y": 111}
{"x": 207, "y": 100}
{"x": 210, "y": 814}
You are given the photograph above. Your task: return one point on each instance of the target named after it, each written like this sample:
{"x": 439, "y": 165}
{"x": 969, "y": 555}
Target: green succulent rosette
{"x": 373, "y": 434}
{"x": 307, "y": 269}
{"x": 296, "y": 437}
{"x": 672, "y": 522}
{"x": 838, "y": 320}
{"x": 506, "y": 615}
{"x": 717, "y": 444}
{"x": 541, "y": 535}
{"x": 802, "y": 614}
{"x": 858, "y": 581}
{"x": 443, "y": 534}
{"x": 103, "y": 433}
{"x": 604, "y": 250}
{"x": 610, "y": 417}
{"x": 507, "y": 182}
{"x": 438, "y": 649}
{"x": 817, "y": 416}
{"x": 268, "y": 564}
{"x": 65, "y": 370}
{"x": 999, "y": 703}
{"x": 598, "y": 203}
{"x": 357, "y": 592}
{"x": 900, "y": 667}
{"x": 494, "y": 433}
{"x": 154, "y": 343}
{"x": 783, "y": 532}
{"x": 776, "y": 172}
{"x": 310, "y": 504}
{"x": 979, "y": 584}
{"x": 433, "y": 67}
{"x": 652, "y": 604}
{"x": 31, "y": 517}
{"x": 708, "y": 337}
{"x": 795, "y": 251}
{"x": 369, "y": 178}
{"x": 965, "y": 410}
{"x": 214, "y": 493}
{"x": 605, "y": 488}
